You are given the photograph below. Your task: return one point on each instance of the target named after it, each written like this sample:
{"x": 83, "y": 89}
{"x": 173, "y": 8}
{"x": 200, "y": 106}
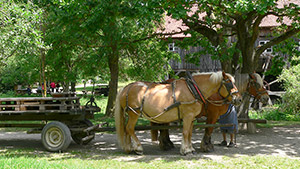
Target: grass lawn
{"x": 31, "y": 159}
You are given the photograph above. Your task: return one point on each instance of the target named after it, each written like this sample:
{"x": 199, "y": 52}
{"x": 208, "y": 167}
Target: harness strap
{"x": 174, "y": 98}
{"x": 143, "y": 101}
{"x": 176, "y": 103}
{"x": 127, "y": 95}
{"x": 193, "y": 87}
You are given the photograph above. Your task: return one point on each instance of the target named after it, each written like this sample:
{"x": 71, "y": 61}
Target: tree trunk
{"x": 113, "y": 83}
{"x": 226, "y": 66}
{"x": 243, "y": 109}
{"x": 73, "y": 85}
{"x": 66, "y": 86}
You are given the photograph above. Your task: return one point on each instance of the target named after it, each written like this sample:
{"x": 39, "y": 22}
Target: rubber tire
{"x": 56, "y": 136}
{"x": 78, "y": 136}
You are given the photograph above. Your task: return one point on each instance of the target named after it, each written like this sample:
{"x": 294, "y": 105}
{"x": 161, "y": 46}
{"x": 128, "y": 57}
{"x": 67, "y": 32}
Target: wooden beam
{"x": 142, "y": 128}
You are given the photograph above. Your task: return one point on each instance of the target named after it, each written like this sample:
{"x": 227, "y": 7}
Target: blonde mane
{"x": 216, "y": 77}
{"x": 259, "y": 80}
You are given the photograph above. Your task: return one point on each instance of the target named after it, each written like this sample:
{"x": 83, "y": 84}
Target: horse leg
{"x": 186, "y": 145}
{"x": 154, "y": 134}
{"x": 190, "y": 138}
{"x": 136, "y": 144}
{"x": 165, "y": 142}
{"x": 206, "y": 145}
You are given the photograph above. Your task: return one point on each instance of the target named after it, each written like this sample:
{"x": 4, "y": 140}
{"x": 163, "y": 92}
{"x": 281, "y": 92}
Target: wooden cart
{"x": 57, "y": 118}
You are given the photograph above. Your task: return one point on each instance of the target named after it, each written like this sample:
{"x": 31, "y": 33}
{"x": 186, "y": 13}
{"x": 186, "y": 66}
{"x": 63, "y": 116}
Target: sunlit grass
{"x": 32, "y": 159}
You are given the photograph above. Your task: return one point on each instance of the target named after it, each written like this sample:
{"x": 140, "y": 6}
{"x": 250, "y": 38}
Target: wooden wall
{"x": 206, "y": 64}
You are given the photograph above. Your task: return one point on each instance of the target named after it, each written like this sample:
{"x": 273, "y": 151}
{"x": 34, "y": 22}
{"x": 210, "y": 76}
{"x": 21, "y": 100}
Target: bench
{"x": 22, "y": 91}
{"x": 250, "y": 124}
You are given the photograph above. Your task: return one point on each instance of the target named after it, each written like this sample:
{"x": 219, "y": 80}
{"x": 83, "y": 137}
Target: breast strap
{"x": 193, "y": 87}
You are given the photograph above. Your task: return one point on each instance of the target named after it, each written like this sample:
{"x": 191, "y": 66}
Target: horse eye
{"x": 257, "y": 85}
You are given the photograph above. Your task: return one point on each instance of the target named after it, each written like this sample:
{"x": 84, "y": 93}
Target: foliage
{"x": 104, "y": 37}
{"x": 20, "y": 42}
{"x": 87, "y": 38}
{"x": 291, "y": 81}
{"x": 274, "y": 113}
{"x": 284, "y": 52}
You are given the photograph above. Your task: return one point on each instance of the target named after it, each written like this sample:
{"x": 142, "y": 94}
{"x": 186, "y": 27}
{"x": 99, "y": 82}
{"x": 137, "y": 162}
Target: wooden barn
{"x": 206, "y": 63}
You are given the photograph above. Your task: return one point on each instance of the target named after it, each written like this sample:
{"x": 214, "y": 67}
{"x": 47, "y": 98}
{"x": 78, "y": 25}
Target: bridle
{"x": 229, "y": 86}
{"x": 256, "y": 85}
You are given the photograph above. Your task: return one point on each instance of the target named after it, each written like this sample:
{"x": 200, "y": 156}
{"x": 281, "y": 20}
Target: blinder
{"x": 228, "y": 85}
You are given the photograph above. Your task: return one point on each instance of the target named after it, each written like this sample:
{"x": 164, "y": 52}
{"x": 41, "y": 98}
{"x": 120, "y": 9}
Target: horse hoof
{"x": 207, "y": 150}
{"x": 155, "y": 143}
{"x": 138, "y": 152}
{"x": 171, "y": 145}
{"x": 166, "y": 147}
{"x": 189, "y": 154}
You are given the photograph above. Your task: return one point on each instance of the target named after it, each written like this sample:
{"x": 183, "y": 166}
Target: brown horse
{"x": 164, "y": 103}
{"x": 251, "y": 84}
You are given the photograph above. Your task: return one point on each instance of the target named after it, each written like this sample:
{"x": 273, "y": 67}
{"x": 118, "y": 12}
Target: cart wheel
{"x": 77, "y": 137}
{"x": 56, "y": 136}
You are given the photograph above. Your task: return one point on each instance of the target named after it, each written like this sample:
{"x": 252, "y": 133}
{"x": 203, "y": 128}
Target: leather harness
{"x": 192, "y": 86}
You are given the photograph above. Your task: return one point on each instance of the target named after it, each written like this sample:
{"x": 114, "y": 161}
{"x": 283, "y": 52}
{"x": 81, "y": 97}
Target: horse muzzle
{"x": 236, "y": 100}
{"x": 264, "y": 99}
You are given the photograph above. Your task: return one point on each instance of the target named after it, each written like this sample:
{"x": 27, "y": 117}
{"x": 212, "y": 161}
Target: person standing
{"x": 52, "y": 85}
{"x": 57, "y": 87}
{"x": 230, "y": 117}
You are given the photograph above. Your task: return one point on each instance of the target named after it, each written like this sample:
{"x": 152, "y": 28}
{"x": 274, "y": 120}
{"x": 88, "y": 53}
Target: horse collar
{"x": 194, "y": 89}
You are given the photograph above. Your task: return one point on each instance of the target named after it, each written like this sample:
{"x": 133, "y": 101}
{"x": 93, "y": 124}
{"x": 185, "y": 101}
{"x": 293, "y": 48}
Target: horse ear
{"x": 251, "y": 76}
{"x": 224, "y": 74}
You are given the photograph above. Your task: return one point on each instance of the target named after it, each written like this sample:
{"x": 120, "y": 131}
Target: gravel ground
{"x": 279, "y": 141}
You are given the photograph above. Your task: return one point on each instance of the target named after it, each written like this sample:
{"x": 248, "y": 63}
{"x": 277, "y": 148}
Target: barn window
{"x": 172, "y": 47}
{"x": 268, "y": 50}
{"x": 298, "y": 46}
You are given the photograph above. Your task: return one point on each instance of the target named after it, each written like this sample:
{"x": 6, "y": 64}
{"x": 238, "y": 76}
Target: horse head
{"x": 229, "y": 91}
{"x": 256, "y": 88}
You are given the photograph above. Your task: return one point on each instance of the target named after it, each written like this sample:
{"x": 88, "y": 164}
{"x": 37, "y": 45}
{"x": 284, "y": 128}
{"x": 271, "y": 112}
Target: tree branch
{"x": 255, "y": 27}
{"x": 209, "y": 33}
{"x": 277, "y": 40}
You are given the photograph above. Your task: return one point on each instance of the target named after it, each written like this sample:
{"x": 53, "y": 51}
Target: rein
{"x": 259, "y": 93}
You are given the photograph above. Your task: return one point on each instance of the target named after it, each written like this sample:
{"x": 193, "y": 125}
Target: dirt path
{"x": 280, "y": 141}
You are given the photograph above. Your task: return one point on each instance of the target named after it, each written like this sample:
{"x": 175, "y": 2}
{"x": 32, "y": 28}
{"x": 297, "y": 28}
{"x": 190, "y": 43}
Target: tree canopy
{"x": 107, "y": 37}
{"x": 74, "y": 39}
{"x": 20, "y": 41}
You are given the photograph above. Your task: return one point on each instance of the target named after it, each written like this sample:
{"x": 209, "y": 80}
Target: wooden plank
{"x": 47, "y": 105}
{"x": 31, "y": 103}
{"x": 242, "y": 120}
{"x": 245, "y": 120}
{"x": 142, "y": 128}
{"x": 36, "y": 111}
{"x": 21, "y": 125}
{"x": 38, "y": 98}
{"x": 9, "y": 105}
{"x": 66, "y": 116}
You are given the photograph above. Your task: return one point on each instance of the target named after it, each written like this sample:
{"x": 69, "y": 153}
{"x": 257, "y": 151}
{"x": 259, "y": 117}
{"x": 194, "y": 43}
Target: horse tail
{"x": 120, "y": 121}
